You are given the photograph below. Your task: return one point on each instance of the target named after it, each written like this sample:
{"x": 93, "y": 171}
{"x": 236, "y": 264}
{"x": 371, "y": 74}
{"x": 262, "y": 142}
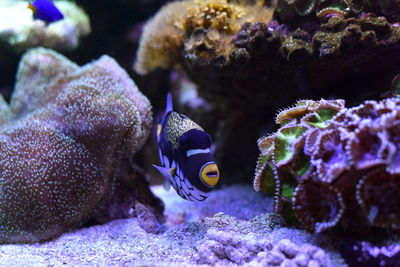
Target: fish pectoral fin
{"x": 167, "y": 184}
{"x": 163, "y": 170}
{"x": 168, "y": 173}
{"x": 172, "y": 172}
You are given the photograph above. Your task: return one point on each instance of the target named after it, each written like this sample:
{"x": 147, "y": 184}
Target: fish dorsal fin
{"x": 169, "y": 103}
{"x": 168, "y": 107}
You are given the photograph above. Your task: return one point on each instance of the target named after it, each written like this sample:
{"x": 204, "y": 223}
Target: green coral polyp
{"x": 268, "y": 182}
{"x": 288, "y": 182}
{"x": 284, "y": 143}
{"x": 304, "y": 7}
{"x": 338, "y": 7}
{"x": 282, "y": 162}
{"x": 288, "y": 190}
{"x": 332, "y": 6}
{"x": 321, "y": 118}
{"x": 302, "y": 164}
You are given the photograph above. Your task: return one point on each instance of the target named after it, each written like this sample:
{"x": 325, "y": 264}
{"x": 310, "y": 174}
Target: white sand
{"x": 124, "y": 243}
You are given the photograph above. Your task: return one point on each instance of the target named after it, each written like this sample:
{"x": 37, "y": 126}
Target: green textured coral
{"x": 282, "y": 162}
{"x": 284, "y": 141}
{"x": 321, "y": 118}
{"x": 335, "y": 165}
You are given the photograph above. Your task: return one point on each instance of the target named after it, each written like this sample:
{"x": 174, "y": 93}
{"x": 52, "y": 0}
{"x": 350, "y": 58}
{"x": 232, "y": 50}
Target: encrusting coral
{"x": 195, "y": 31}
{"x": 238, "y": 38}
{"x": 63, "y": 149}
{"x": 307, "y": 7}
{"x": 321, "y": 8}
{"x": 362, "y": 253}
{"x": 225, "y": 248}
{"x": 332, "y": 164}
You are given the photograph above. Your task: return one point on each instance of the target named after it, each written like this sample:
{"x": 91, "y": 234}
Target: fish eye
{"x": 209, "y": 174}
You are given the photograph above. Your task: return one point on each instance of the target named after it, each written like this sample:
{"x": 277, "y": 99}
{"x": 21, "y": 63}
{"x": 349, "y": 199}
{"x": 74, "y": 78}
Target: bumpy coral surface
{"x": 61, "y": 149}
{"x": 224, "y": 248}
{"x": 362, "y": 253}
{"x": 335, "y": 165}
{"x": 195, "y": 32}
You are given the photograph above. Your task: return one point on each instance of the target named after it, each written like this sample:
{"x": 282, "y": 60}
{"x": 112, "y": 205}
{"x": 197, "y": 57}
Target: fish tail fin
{"x": 167, "y": 184}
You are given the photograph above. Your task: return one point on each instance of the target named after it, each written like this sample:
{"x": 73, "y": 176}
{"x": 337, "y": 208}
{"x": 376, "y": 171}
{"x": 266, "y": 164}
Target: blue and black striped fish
{"x": 186, "y": 160}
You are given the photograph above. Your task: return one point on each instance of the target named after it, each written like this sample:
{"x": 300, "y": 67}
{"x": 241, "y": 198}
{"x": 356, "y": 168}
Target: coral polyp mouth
{"x": 378, "y": 195}
{"x": 317, "y": 205}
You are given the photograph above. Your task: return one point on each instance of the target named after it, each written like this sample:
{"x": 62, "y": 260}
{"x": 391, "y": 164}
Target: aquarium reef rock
{"x": 194, "y": 31}
{"x": 66, "y": 141}
{"x": 248, "y": 60}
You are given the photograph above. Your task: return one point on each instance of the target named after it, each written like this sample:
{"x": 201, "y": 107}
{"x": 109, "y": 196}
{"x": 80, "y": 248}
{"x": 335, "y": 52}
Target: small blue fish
{"x": 185, "y": 156}
{"x": 45, "y": 10}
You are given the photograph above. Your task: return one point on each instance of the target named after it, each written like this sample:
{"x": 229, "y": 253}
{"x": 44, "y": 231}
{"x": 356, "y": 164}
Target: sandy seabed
{"x": 234, "y": 226}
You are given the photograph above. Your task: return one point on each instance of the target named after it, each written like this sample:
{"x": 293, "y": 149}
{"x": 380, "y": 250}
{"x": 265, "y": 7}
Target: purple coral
{"x": 350, "y": 163}
{"x": 329, "y": 157}
{"x": 378, "y": 195}
{"x": 60, "y": 156}
{"x": 317, "y": 204}
{"x": 362, "y": 253}
{"x": 224, "y": 248}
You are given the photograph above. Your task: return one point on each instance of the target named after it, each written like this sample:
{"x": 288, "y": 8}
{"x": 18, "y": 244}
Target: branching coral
{"x": 330, "y": 162}
{"x": 62, "y": 148}
{"x": 195, "y": 30}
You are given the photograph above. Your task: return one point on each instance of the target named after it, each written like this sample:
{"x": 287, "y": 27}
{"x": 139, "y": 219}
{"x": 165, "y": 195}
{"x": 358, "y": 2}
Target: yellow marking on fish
{"x": 210, "y": 174}
{"x": 176, "y": 126}
{"x": 172, "y": 172}
{"x": 159, "y": 128}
